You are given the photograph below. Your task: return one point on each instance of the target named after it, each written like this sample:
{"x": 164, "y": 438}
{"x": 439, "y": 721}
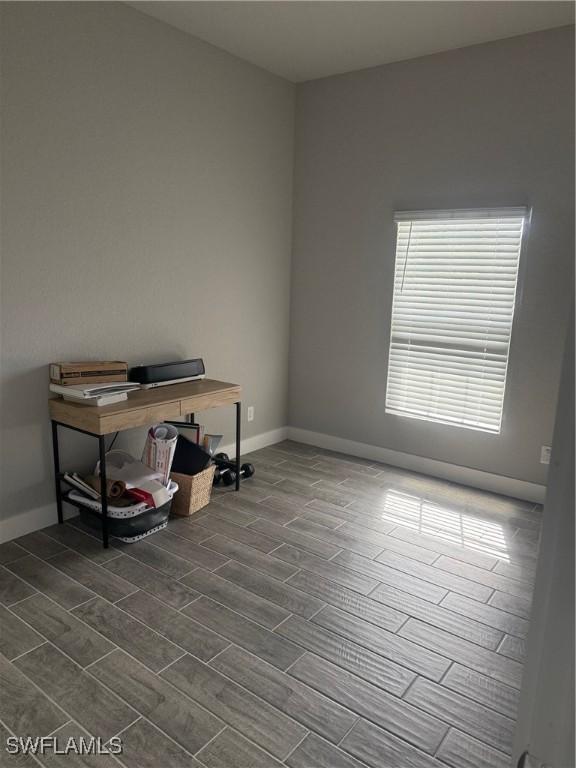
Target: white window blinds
{"x": 454, "y": 292}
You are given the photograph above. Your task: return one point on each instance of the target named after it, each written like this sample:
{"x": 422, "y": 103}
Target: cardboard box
{"x": 90, "y": 372}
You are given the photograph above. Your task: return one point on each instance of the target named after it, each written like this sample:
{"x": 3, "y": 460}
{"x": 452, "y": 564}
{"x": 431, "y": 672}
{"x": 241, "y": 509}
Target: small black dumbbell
{"x": 227, "y": 474}
{"x": 222, "y": 461}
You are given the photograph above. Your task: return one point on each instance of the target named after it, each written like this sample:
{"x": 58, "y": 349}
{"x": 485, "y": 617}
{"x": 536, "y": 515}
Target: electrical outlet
{"x": 250, "y": 413}
{"x": 545, "y": 454}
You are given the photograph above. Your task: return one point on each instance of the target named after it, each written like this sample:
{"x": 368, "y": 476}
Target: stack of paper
{"x": 96, "y": 394}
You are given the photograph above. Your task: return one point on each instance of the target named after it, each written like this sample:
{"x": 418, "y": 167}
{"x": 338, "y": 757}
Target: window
{"x": 454, "y": 292}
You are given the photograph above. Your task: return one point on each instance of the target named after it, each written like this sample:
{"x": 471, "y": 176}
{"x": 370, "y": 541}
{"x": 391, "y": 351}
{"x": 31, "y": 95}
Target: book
{"x": 194, "y": 432}
{"x": 76, "y": 481}
{"x": 94, "y": 390}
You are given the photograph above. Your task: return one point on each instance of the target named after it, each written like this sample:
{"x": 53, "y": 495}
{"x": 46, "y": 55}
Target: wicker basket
{"x": 194, "y": 493}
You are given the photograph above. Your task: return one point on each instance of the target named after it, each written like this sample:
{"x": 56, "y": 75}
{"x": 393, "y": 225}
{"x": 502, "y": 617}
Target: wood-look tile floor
{"x": 336, "y": 613}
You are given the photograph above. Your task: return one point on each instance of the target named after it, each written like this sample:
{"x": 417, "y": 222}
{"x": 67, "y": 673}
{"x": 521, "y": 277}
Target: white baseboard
{"x": 31, "y": 520}
{"x": 486, "y": 481}
{"x": 256, "y": 442}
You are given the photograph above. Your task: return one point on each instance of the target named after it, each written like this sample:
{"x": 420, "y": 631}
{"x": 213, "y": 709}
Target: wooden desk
{"x": 143, "y": 407}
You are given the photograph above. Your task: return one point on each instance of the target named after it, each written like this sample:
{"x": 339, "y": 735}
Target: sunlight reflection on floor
{"x": 432, "y": 519}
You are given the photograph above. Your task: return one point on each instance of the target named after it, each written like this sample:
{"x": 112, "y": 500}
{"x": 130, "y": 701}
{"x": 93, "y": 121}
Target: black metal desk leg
{"x": 238, "y": 420}
{"x": 56, "y": 455}
{"x": 103, "y": 490}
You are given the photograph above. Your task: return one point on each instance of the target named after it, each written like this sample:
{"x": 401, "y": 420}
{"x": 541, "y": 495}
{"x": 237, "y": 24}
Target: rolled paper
{"x": 159, "y": 449}
{"x": 114, "y": 488}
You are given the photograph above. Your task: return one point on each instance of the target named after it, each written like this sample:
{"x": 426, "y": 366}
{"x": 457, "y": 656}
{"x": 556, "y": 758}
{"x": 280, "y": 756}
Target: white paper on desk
{"x": 159, "y": 449}
{"x": 94, "y": 390}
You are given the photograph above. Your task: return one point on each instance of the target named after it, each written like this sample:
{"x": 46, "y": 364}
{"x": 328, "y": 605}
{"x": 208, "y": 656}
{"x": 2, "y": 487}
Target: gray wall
{"x": 545, "y": 725}
{"x": 146, "y": 216}
{"x": 488, "y": 125}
